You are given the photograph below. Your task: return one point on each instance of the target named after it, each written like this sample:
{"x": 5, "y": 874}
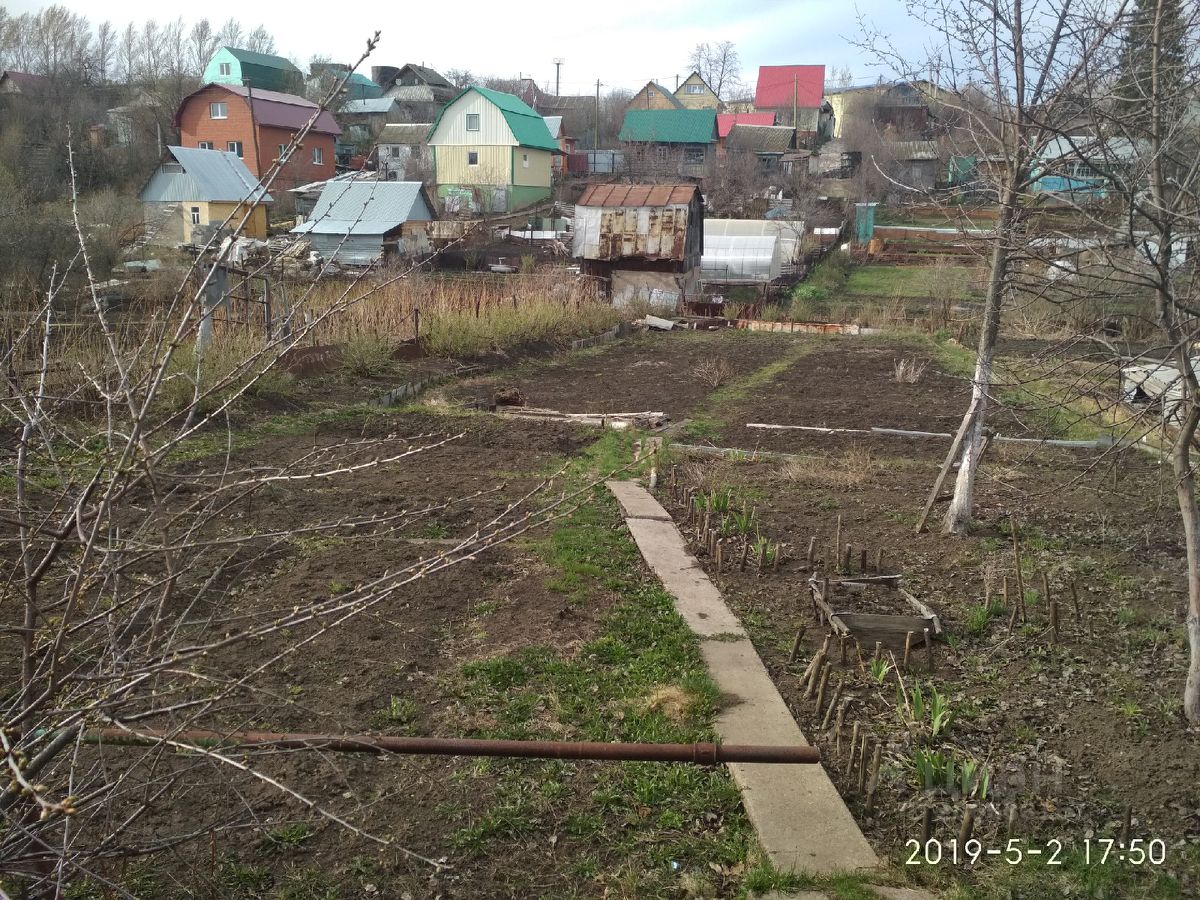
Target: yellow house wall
{"x": 452, "y": 129}
{"x": 641, "y": 100}
{"x": 705, "y": 100}
{"x": 256, "y": 226}
{"x": 495, "y": 165}
{"x": 538, "y": 173}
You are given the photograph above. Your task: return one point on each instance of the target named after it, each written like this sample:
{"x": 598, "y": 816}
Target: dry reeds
{"x": 910, "y": 370}
{"x": 849, "y": 471}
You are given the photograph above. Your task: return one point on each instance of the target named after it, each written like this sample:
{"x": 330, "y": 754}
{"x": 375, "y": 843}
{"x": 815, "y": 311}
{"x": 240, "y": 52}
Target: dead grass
{"x": 850, "y": 470}
{"x": 672, "y": 701}
{"x": 713, "y": 372}
{"x": 910, "y": 370}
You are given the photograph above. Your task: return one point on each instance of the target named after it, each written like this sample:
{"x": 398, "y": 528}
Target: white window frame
{"x": 318, "y": 156}
{"x": 225, "y": 68}
{"x": 524, "y": 160}
{"x": 473, "y": 118}
{"x": 283, "y": 152}
{"x": 470, "y": 154}
{"x": 693, "y": 89}
{"x": 237, "y": 148}
{"x": 195, "y": 215}
{"x": 204, "y": 145}
{"x": 218, "y": 109}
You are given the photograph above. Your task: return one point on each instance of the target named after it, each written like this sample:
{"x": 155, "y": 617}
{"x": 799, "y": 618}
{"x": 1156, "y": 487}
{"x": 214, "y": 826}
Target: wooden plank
{"x": 923, "y": 609}
{"x": 891, "y": 631}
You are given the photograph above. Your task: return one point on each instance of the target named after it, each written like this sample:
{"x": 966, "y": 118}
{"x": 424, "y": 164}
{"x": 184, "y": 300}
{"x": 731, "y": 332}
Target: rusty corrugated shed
{"x": 646, "y": 221}
{"x": 637, "y": 194}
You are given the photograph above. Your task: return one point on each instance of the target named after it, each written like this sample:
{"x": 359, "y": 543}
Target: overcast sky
{"x": 624, "y": 43}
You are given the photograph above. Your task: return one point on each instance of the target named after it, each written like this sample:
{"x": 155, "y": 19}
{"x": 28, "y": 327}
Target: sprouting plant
{"x": 1130, "y": 710}
{"x": 718, "y": 501}
{"x": 974, "y": 778}
{"x": 934, "y": 716}
{"x": 933, "y": 768}
{"x": 742, "y": 522}
{"x": 879, "y": 670}
{"x": 763, "y": 550}
{"x": 979, "y": 616}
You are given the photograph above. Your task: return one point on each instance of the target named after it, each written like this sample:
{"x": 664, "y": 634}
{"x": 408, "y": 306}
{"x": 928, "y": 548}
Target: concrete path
{"x": 801, "y": 821}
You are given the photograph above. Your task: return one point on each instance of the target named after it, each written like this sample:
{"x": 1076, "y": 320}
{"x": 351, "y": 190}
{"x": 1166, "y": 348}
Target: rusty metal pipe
{"x": 698, "y": 754}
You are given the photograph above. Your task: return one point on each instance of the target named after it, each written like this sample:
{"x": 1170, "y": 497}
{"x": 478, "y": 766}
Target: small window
{"x": 235, "y": 147}
{"x": 195, "y": 215}
{"x": 472, "y": 157}
{"x": 472, "y": 121}
{"x": 318, "y": 156}
{"x": 225, "y": 69}
{"x": 204, "y": 145}
{"x": 694, "y": 89}
{"x": 525, "y": 160}
{"x": 218, "y": 111}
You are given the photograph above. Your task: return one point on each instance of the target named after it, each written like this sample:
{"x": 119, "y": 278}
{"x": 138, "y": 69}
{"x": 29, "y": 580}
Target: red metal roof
{"x": 726, "y": 121}
{"x": 777, "y": 85}
{"x": 276, "y": 110}
{"x": 637, "y": 194}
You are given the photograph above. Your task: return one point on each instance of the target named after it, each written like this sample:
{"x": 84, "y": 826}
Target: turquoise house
{"x": 260, "y": 71}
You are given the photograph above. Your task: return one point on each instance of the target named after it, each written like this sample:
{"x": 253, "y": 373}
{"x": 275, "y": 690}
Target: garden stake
{"x": 928, "y": 649}
{"x": 869, "y": 807}
{"x": 862, "y": 563}
{"x": 1010, "y": 821}
{"x": 796, "y": 644}
{"x": 825, "y": 645}
{"x": 833, "y": 702}
{"x": 1012, "y": 524}
{"x": 862, "y": 765}
{"x": 720, "y": 554}
{"x": 849, "y": 548}
{"x": 926, "y": 825}
{"x": 745, "y": 554}
{"x": 1075, "y": 598}
{"x": 837, "y": 726}
{"x": 1054, "y": 619}
{"x": 761, "y": 554}
{"x": 775, "y": 558}
{"x": 821, "y": 689}
{"x": 878, "y": 560}
{"x": 842, "y": 647}
{"x": 907, "y": 647}
{"x": 812, "y": 549}
{"x": 1046, "y": 588}
{"x": 837, "y": 540}
{"x": 1126, "y": 825}
{"x": 812, "y": 663}
{"x": 878, "y": 651}
{"x": 968, "y": 825}
{"x": 853, "y": 751}
{"x": 814, "y": 674}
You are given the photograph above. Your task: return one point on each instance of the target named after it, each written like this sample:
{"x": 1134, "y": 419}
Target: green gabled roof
{"x": 528, "y": 128}
{"x": 261, "y": 59}
{"x": 670, "y": 126}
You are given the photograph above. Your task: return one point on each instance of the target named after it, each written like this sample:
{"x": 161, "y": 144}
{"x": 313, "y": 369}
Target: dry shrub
{"x": 713, "y": 372}
{"x": 910, "y": 370}
{"x": 366, "y": 355}
{"x": 848, "y": 471}
{"x": 672, "y": 701}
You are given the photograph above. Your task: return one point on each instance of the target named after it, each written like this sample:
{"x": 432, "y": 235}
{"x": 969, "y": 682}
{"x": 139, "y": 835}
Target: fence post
{"x": 416, "y": 324}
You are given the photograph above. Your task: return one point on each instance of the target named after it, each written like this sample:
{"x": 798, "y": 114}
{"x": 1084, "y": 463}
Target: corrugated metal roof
{"x": 208, "y": 175}
{"x": 426, "y": 74}
{"x": 726, "y": 121}
{"x": 261, "y": 59}
{"x": 275, "y": 109}
{"x": 527, "y": 126}
{"x": 638, "y": 195}
{"x": 414, "y": 133}
{"x": 670, "y": 126}
{"x": 761, "y": 138}
{"x": 780, "y": 86}
{"x": 368, "y": 105}
{"x": 914, "y": 150}
{"x": 366, "y": 207}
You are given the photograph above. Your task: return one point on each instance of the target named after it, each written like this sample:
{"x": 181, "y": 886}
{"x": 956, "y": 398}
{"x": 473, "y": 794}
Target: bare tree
{"x": 202, "y": 44}
{"x": 1029, "y": 60}
{"x": 260, "y": 41}
{"x": 231, "y": 34}
{"x": 719, "y": 65}
{"x": 105, "y": 51}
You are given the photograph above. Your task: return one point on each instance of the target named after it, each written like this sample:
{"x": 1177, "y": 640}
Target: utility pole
{"x": 596, "y": 130}
{"x": 557, "y": 66}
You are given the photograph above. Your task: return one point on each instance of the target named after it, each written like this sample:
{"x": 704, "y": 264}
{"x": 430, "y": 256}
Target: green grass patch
{"x": 923, "y": 282}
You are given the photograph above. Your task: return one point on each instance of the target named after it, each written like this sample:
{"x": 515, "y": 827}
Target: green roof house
{"x": 670, "y": 141}
{"x": 263, "y": 71}
{"x": 491, "y": 153}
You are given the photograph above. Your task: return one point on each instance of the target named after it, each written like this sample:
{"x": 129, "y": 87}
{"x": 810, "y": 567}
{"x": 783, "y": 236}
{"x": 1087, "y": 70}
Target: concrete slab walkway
{"x": 801, "y": 821}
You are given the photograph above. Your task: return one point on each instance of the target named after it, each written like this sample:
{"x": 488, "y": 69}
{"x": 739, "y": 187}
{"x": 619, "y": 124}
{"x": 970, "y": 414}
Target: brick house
{"x": 256, "y": 126}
